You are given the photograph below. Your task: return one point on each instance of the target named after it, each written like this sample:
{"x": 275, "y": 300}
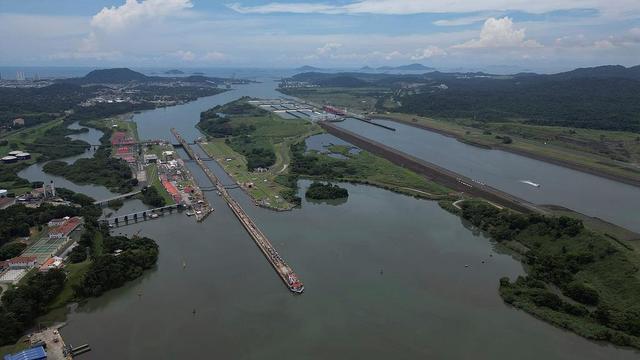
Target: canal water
{"x": 592, "y": 195}
{"x": 35, "y": 172}
{"x": 156, "y": 123}
{"x": 386, "y": 276}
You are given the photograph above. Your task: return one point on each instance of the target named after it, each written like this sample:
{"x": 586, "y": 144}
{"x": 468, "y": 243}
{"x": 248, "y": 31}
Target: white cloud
{"x": 214, "y": 56}
{"x": 184, "y": 55}
{"x": 603, "y": 44}
{"x": 132, "y": 12}
{"x": 294, "y": 8}
{"x": 327, "y": 50}
{"x": 429, "y": 52}
{"x": 499, "y": 33}
{"x": 461, "y": 21}
{"x": 403, "y": 7}
{"x": 572, "y": 41}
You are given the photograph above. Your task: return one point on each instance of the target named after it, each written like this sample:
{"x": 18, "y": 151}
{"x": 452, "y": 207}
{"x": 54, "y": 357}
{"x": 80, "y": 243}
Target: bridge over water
{"x": 105, "y": 202}
{"x": 144, "y": 215}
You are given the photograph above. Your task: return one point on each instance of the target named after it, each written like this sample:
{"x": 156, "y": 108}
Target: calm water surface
{"x": 35, "y": 172}
{"x": 592, "y": 195}
{"x": 385, "y": 278}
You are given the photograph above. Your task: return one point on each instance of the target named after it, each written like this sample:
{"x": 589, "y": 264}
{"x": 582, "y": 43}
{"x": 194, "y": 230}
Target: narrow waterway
{"x": 386, "y": 276}
{"x": 35, "y": 172}
{"x": 592, "y": 195}
{"x": 156, "y": 123}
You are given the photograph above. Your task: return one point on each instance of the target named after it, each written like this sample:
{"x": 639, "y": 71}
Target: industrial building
{"x": 9, "y": 159}
{"x": 23, "y": 156}
{"x": 34, "y": 353}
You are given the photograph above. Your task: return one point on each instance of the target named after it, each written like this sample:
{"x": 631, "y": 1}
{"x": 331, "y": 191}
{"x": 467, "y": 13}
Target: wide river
{"x": 387, "y": 277}
{"x": 592, "y": 195}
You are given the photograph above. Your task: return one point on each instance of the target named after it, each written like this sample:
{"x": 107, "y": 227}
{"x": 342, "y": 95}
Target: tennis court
{"x": 45, "y": 247}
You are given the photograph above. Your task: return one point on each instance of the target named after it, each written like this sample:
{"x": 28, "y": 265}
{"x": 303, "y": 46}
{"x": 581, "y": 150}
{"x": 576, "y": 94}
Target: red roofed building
{"x": 122, "y": 150}
{"x": 63, "y": 230}
{"x": 121, "y": 138}
{"x": 51, "y": 263}
{"x": 22, "y": 262}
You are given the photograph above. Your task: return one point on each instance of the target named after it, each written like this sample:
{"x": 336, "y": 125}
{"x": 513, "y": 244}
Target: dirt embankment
{"x": 548, "y": 159}
{"x": 433, "y": 172}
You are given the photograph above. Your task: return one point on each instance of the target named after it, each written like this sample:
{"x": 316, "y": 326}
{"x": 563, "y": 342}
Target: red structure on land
{"x": 333, "y": 110}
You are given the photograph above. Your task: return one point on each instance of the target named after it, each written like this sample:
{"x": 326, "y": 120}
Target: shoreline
{"x": 528, "y": 154}
{"x": 433, "y": 172}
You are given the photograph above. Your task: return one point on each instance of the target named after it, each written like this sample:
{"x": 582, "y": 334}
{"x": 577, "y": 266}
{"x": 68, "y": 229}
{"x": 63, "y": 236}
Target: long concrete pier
{"x": 434, "y": 172}
{"x": 282, "y": 268}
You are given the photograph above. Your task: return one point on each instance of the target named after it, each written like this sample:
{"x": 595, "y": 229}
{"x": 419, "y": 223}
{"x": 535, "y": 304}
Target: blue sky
{"x": 542, "y": 35}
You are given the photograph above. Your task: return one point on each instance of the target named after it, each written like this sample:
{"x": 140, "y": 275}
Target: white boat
{"x": 529, "y": 182}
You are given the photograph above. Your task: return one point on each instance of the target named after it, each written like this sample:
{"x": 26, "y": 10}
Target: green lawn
{"x": 75, "y": 274}
{"x": 370, "y": 169}
{"x": 358, "y": 99}
{"x": 613, "y": 152}
{"x": 269, "y": 132}
{"x": 23, "y": 136}
{"x": 154, "y": 181}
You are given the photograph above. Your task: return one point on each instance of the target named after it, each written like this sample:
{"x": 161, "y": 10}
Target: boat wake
{"x": 529, "y": 182}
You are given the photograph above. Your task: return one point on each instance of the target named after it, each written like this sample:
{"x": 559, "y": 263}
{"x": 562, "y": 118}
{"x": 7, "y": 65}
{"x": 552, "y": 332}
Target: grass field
{"x": 268, "y": 132}
{"x": 75, "y": 274}
{"x": 154, "y": 181}
{"x": 359, "y": 99}
{"x": 18, "y": 139}
{"x": 610, "y": 152}
{"x": 264, "y": 189}
{"x": 370, "y": 169}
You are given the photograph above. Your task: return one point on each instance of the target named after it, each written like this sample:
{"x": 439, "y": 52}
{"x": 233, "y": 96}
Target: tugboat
{"x": 295, "y": 285}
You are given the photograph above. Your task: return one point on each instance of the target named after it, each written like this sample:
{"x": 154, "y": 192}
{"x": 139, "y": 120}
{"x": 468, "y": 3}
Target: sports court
{"x": 45, "y": 247}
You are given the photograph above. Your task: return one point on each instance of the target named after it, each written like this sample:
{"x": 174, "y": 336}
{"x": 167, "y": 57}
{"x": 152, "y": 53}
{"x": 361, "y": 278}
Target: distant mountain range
{"x": 603, "y": 97}
{"x": 307, "y": 68}
{"x": 410, "y": 67}
{"x": 126, "y": 75}
{"x": 117, "y": 75}
{"x": 174, "y": 72}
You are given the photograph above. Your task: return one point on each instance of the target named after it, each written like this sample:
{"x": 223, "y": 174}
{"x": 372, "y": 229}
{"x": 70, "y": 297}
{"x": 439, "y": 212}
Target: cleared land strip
{"x": 434, "y": 172}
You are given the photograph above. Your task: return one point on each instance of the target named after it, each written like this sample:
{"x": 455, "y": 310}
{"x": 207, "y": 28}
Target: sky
{"x": 540, "y": 35}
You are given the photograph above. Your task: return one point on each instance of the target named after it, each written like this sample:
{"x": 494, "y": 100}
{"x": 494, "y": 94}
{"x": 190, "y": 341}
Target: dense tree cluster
{"x": 151, "y": 196}
{"x": 113, "y": 173}
{"x": 320, "y": 191}
{"x": 220, "y": 126}
{"x": 54, "y": 143}
{"x": 111, "y": 270}
{"x": 17, "y": 220}
{"x": 606, "y": 97}
{"x": 597, "y": 281}
{"x": 310, "y": 164}
{"x": 22, "y": 305}
{"x": 607, "y": 104}
{"x": 10, "y": 250}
